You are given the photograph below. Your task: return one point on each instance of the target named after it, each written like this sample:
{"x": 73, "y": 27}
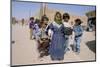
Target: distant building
{"x": 91, "y": 14}
{"x": 91, "y": 23}
{"x": 50, "y": 12}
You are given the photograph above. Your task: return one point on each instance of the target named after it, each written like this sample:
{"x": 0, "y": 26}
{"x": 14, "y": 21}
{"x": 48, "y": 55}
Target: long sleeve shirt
{"x": 78, "y": 30}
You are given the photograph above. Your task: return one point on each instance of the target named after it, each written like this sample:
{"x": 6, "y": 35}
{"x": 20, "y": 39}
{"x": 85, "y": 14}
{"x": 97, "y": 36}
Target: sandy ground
{"x": 24, "y": 50}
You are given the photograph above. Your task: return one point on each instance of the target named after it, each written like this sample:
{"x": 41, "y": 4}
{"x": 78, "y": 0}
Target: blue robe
{"x": 57, "y": 45}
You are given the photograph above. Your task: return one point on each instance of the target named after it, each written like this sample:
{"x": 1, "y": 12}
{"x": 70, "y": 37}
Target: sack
{"x": 44, "y": 44}
{"x": 68, "y": 31}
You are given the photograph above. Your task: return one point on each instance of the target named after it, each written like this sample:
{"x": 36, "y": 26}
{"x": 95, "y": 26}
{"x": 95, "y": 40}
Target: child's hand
{"x": 50, "y": 33}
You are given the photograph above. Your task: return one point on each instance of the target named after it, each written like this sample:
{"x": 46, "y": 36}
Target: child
{"x": 31, "y": 24}
{"x": 56, "y": 48}
{"x": 78, "y": 30}
{"x": 67, "y": 30}
{"x": 36, "y": 30}
{"x": 44, "y": 40}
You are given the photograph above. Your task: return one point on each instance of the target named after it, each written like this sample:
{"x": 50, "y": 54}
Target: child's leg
{"x": 37, "y": 36}
{"x": 75, "y": 42}
{"x": 67, "y": 44}
{"x": 71, "y": 39}
{"x": 31, "y": 33}
{"x": 78, "y": 41}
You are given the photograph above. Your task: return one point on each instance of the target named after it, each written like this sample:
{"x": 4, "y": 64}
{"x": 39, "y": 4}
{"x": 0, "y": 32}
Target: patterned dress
{"x": 56, "y": 48}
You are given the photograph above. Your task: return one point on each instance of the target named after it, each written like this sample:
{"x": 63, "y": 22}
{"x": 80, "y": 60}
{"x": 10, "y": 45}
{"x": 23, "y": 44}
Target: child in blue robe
{"x": 78, "y": 30}
{"x": 56, "y": 48}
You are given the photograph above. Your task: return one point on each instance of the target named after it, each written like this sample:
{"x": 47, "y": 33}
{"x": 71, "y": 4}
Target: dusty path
{"x": 24, "y": 50}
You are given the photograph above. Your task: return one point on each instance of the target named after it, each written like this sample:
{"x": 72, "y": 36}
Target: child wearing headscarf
{"x": 56, "y": 48}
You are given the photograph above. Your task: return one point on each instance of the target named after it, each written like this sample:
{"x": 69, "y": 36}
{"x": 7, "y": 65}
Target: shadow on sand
{"x": 92, "y": 45}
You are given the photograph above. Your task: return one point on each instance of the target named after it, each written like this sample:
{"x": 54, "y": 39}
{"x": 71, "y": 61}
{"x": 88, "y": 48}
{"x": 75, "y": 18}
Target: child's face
{"x": 58, "y": 17}
{"x": 66, "y": 19}
{"x": 31, "y": 20}
{"x": 45, "y": 21}
{"x": 76, "y": 23}
{"x": 44, "y": 25}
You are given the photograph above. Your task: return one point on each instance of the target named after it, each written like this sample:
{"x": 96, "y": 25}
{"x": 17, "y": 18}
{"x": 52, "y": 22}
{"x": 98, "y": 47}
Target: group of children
{"x": 53, "y": 38}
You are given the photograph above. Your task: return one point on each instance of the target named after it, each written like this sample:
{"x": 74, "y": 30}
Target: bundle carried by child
{"x": 68, "y": 30}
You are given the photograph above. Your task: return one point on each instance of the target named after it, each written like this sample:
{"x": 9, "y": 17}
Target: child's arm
{"x": 30, "y": 25}
{"x": 47, "y": 28}
{"x": 78, "y": 31}
{"x": 49, "y": 31}
{"x": 81, "y": 31}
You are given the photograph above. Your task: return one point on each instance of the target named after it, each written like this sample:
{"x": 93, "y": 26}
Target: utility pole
{"x": 29, "y": 12}
{"x": 43, "y": 8}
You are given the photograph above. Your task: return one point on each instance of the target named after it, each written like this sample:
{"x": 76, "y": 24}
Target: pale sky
{"x": 22, "y": 9}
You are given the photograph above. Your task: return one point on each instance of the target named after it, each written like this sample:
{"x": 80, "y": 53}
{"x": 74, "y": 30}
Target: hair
{"x": 31, "y": 18}
{"x": 44, "y": 17}
{"x": 78, "y": 21}
{"x": 66, "y": 15}
{"x": 56, "y": 15}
